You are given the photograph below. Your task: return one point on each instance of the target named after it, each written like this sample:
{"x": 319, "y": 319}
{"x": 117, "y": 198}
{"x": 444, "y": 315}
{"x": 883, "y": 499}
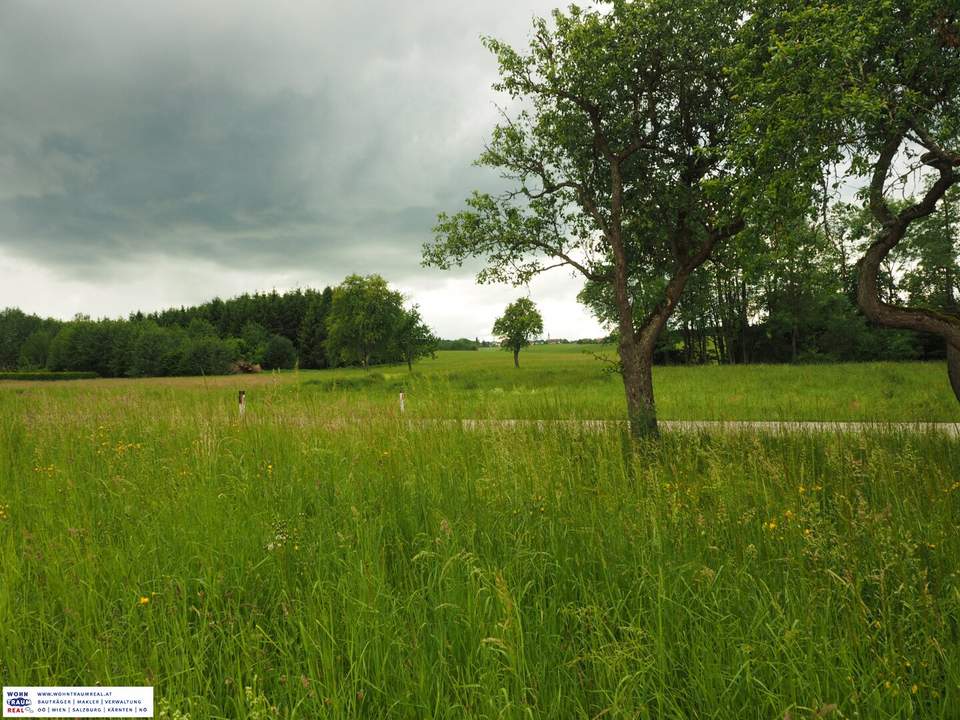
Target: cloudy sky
{"x": 160, "y": 153}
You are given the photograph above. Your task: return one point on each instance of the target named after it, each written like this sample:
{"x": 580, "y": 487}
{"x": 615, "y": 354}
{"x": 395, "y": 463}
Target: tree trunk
{"x": 409, "y": 364}
{"x": 888, "y": 314}
{"x": 953, "y": 369}
{"x": 516, "y": 357}
{"x": 637, "y": 361}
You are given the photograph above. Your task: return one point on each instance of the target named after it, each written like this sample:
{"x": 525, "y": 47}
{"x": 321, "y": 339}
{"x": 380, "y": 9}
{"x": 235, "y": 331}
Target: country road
{"x": 733, "y": 426}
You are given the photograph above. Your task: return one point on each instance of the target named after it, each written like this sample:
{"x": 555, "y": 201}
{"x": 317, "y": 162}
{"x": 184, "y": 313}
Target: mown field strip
{"x": 732, "y": 426}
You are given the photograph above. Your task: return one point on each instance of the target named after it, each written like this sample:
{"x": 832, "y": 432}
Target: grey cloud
{"x": 266, "y": 136}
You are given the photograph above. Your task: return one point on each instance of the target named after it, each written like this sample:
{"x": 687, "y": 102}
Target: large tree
{"x": 871, "y": 87}
{"x": 363, "y": 317}
{"x": 520, "y": 323}
{"x": 615, "y": 155}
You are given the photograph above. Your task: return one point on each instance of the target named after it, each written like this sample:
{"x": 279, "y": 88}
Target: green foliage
{"x": 205, "y": 355}
{"x": 458, "y": 344}
{"x": 34, "y": 351}
{"x": 15, "y": 328}
{"x": 156, "y": 351}
{"x": 931, "y": 279}
{"x": 253, "y": 341}
{"x": 367, "y": 324}
{"x": 313, "y": 331}
{"x": 520, "y": 323}
{"x": 867, "y": 95}
{"x": 279, "y": 353}
{"x": 635, "y": 91}
{"x": 412, "y": 338}
{"x": 830, "y": 82}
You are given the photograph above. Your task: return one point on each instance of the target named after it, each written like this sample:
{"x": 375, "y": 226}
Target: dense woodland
{"x": 787, "y": 297}
{"x": 271, "y": 330}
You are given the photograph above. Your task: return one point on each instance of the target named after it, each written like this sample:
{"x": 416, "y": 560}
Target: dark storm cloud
{"x": 254, "y": 135}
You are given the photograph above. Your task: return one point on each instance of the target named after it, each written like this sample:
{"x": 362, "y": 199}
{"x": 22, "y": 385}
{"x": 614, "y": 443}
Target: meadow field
{"x": 326, "y": 556}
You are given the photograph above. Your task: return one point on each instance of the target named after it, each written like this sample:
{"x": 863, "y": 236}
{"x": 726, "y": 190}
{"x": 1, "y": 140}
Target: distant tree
{"x": 204, "y": 355}
{"x": 364, "y": 313}
{"x": 519, "y": 324}
{"x": 157, "y": 350}
{"x": 412, "y": 338}
{"x": 33, "y": 352}
{"x": 279, "y": 353}
{"x": 458, "y": 344}
{"x": 932, "y": 279}
{"x": 313, "y": 331}
{"x": 15, "y": 327}
{"x": 253, "y": 341}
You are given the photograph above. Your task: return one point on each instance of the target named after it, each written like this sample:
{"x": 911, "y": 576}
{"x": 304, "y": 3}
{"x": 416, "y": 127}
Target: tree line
{"x": 791, "y": 296}
{"x": 686, "y": 157}
{"x": 359, "y": 322}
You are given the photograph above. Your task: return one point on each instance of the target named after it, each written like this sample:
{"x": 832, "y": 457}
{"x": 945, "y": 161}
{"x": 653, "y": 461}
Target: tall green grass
{"x": 565, "y": 382}
{"x": 323, "y": 557}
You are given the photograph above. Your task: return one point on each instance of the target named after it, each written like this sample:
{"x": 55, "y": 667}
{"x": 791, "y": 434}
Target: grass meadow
{"x": 325, "y": 556}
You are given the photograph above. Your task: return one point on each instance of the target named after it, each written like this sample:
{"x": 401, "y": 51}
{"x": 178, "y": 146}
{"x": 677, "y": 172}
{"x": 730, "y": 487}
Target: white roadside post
{"x": 242, "y": 401}
{"x": 401, "y": 402}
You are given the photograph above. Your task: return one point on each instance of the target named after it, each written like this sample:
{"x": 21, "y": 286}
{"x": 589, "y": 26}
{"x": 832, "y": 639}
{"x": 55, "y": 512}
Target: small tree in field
{"x": 519, "y": 324}
{"x": 412, "y": 337}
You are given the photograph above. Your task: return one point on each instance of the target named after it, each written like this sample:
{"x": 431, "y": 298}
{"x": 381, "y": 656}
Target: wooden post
{"x": 242, "y": 401}
{"x": 401, "y": 401}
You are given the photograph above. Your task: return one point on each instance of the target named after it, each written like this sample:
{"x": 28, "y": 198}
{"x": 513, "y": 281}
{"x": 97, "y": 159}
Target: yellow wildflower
{"x": 143, "y": 600}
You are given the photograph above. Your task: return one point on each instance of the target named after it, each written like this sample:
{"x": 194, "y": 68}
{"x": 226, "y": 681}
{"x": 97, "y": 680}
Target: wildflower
{"x": 914, "y": 688}
{"x": 144, "y": 600}
{"x": 801, "y": 489}
{"x": 788, "y": 514}
{"x": 771, "y": 525}
{"x": 4, "y": 512}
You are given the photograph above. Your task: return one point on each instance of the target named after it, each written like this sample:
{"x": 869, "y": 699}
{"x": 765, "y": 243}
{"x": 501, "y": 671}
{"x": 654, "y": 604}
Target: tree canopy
{"x": 867, "y": 93}
{"x": 520, "y": 323}
{"x": 616, "y": 163}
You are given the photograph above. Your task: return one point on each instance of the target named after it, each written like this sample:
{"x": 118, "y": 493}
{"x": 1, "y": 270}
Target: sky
{"x": 157, "y": 154}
